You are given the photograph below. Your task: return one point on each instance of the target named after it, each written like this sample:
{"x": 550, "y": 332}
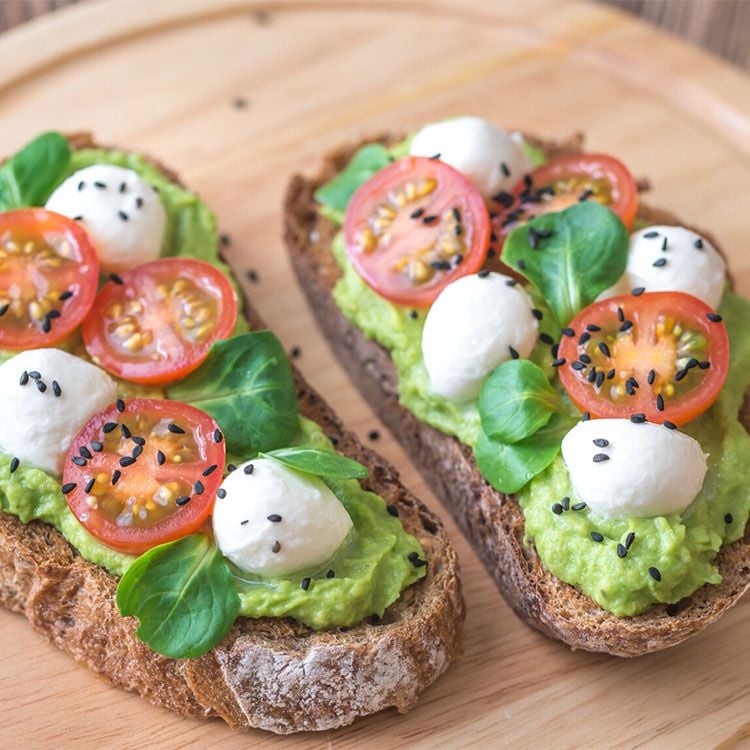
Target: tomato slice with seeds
{"x": 155, "y": 323}
{"x": 414, "y": 227}
{"x": 143, "y": 472}
{"x": 661, "y": 354}
{"x": 49, "y": 273}
{"x": 561, "y": 183}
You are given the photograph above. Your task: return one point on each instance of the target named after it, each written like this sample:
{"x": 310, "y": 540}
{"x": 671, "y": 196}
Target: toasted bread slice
{"x": 273, "y": 674}
{"x": 491, "y": 520}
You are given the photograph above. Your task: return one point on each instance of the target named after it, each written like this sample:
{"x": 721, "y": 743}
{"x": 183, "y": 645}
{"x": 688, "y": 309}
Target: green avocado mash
{"x": 371, "y": 569}
{"x": 682, "y": 549}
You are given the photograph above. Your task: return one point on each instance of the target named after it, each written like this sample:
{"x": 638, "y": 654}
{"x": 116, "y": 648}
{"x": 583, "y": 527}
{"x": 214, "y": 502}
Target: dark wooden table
{"x": 721, "y": 26}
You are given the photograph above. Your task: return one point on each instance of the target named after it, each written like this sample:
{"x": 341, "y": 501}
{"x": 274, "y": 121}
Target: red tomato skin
{"x": 180, "y": 364}
{"x": 373, "y": 191}
{"x": 83, "y": 286}
{"x": 686, "y": 308}
{"x": 188, "y": 519}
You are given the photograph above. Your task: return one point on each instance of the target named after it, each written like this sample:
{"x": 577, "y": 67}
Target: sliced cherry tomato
{"x": 156, "y": 323}
{"x": 664, "y": 355}
{"x": 143, "y": 472}
{"x": 414, "y": 227}
{"x": 49, "y": 273}
{"x": 561, "y": 183}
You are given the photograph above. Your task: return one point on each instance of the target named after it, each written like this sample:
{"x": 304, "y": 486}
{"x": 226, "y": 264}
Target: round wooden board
{"x": 164, "y": 77}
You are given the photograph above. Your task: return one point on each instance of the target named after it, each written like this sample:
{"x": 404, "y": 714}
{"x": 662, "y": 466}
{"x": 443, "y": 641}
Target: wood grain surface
{"x": 236, "y": 95}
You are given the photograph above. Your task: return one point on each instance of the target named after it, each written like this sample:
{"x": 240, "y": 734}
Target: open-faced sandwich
{"x": 178, "y": 509}
{"x": 567, "y": 367}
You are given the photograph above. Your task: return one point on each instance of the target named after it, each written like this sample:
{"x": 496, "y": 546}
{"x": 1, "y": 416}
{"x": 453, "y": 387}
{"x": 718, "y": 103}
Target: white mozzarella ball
{"x": 690, "y": 263}
{"x": 491, "y": 158}
{"x": 276, "y": 521}
{"x": 38, "y": 427}
{"x": 649, "y": 470}
{"x": 471, "y": 328}
{"x": 122, "y": 214}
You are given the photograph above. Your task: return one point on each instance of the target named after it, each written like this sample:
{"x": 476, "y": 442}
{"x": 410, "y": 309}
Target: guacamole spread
{"x": 372, "y": 567}
{"x": 682, "y": 548}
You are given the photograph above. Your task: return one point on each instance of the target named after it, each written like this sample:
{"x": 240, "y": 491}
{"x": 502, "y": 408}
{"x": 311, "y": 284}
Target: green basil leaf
{"x": 508, "y": 467}
{"x": 336, "y": 193}
{"x": 319, "y": 463}
{"x": 27, "y": 179}
{"x": 183, "y": 595}
{"x": 586, "y": 253}
{"x": 246, "y": 385}
{"x": 516, "y": 400}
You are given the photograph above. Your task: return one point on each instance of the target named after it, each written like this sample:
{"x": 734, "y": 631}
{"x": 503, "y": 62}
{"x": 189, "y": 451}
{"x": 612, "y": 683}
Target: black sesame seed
{"x": 52, "y": 314}
{"x": 660, "y": 402}
{"x": 546, "y": 338}
{"x": 591, "y": 377}
{"x": 330, "y": 573}
{"x": 231, "y": 468}
{"x": 664, "y": 245}
{"x": 78, "y": 218}
{"x": 305, "y": 583}
{"x": 252, "y": 276}
{"x": 584, "y": 338}
{"x": 483, "y": 274}
{"x": 638, "y": 418}
{"x": 698, "y": 243}
{"x": 210, "y": 470}
{"x": 274, "y": 518}
{"x": 600, "y": 442}
{"x": 120, "y": 405}
{"x": 275, "y": 547}
{"x": 505, "y": 169}
{"x": 585, "y": 359}
{"x": 41, "y": 386}
{"x": 596, "y": 536}
{"x": 4, "y": 309}
{"x": 160, "y": 458}
{"x": 654, "y": 573}
{"x": 108, "y": 427}
{"x": 68, "y": 487}
{"x": 198, "y": 488}
{"x": 85, "y": 452}
{"x": 417, "y": 563}
{"x": 56, "y": 389}
{"x": 578, "y": 506}
{"x": 47, "y": 325}
{"x": 116, "y": 278}
{"x": 565, "y": 503}
{"x": 373, "y": 435}
{"x": 14, "y": 464}
{"x": 533, "y": 238}
{"x": 100, "y": 185}
{"x": 67, "y": 294}
{"x": 559, "y": 362}
{"x": 604, "y": 349}
{"x": 585, "y": 195}
{"x": 218, "y": 437}
{"x": 611, "y": 374}
{"x": 669, "y": 425}
{"x": 593, "y": 328}
{"x": 622, "y": 550}
{"x": 126, "y": 461}
{"x": 513, "y": 353}
{"x": 221, "y": 493}
{"x": 435, "y": 156}
{"x": 620, "y": 314}
{"x": 714, "y": 317}
{"x": 521, "y": 265}
{"x": 728, "y": 518}
{"x": 578, "y": 365}
{"x": 116, "y": 474}
{"x": 527, "y": 181}
{"x": 24, "y": 378}
{"x": 416, "y": 213}
{"x": 97, "y": 446}
{"x": 704, "y": 365}
{"x": 567, "y": 332}
{"x": 651, "y": 377}
{"x": 629, "y": 389}
{"x": 429, "y": 219}
{"x": 633, "y": 382}
{"x": 626, "y": 326}
{"x": 413, "y": 314}
{"x": 650, "y": 235}
{"x": 392, "y": 510}
{"x": 139, "y": 202}
{"x": 182, "y": 500}
{"x": 440, "y": 265}
{"x": 123, "y": 187}
{"x": 680, "y": 374}
{"x": 557, "y": 509}
{"x": 538, "y": 314}
{"x": 659, "y": 263}
{"x": 78, "y": 461}
{"x": 586, "y": 416}
{"x": 176, "y": 429}
{"x": 599, "y": 457}
{"x": 511, "y": 282}
{"x": 138, "y": 440}
{"x": 629, "y": 539}
{"x": 638, "y": 291}
{"x": 504, "y": 198}
{"x": 245, "y": 522}
{"x": 692, "y": 362}
{"x": 126, "y": 433}
{"x": 89, "y": 485}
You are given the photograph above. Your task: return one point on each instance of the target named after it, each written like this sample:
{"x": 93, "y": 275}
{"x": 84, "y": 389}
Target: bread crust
{"x": 491, "y": 520}
{"x": 268, "y": 673}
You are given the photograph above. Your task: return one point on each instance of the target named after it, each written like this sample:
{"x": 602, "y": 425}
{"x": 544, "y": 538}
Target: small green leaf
{"x": 509, "y": 467}
{"x": 516, "y": 400}
{"x": 586, "y": 253}
{"x": 183, "y": 595}
{"x": 246, "y": 385}
{"x": 27, "y": 178}
{"x": 336, "y": 193}
{"x": 320, "y": 463}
